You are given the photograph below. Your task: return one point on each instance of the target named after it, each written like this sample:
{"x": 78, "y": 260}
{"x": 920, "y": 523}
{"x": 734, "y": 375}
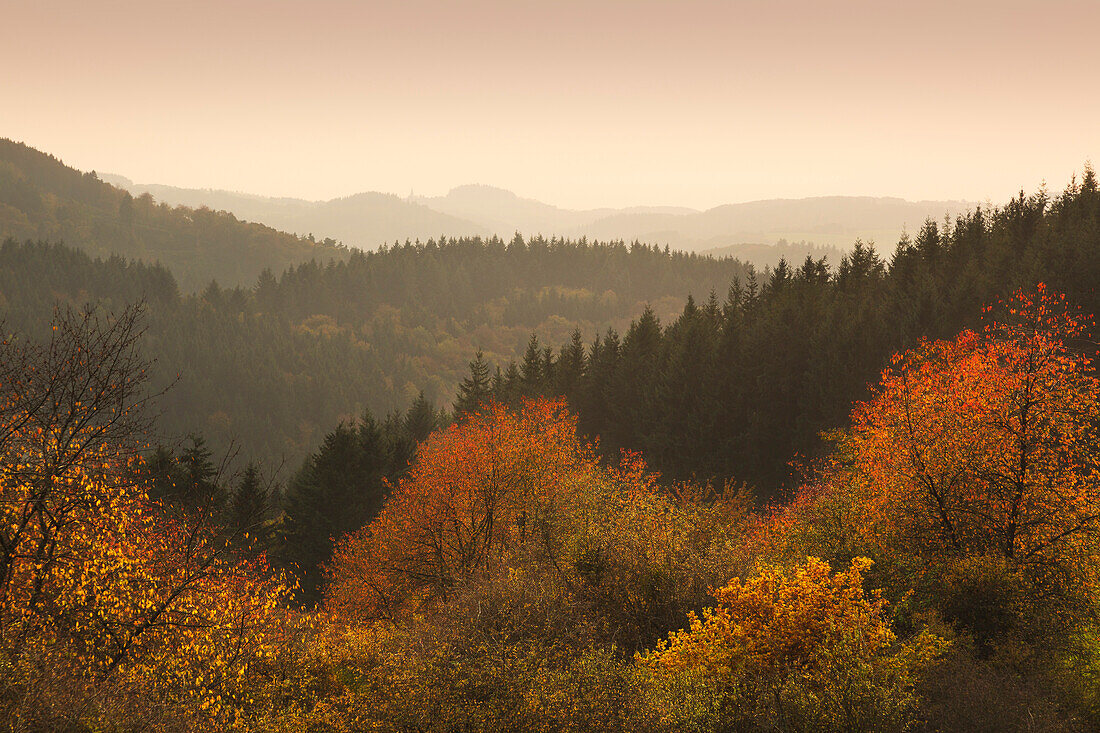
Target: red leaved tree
{"x": 480, "y": 491}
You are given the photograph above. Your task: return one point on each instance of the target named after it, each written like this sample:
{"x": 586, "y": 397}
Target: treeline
{"x": 743, "y": 381}
{"x": 275, "y": 366}
{"x": 43, "y": 199}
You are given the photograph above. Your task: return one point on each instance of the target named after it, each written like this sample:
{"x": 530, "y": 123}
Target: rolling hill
{"x": 42, "y": 198}
{"x": 808, "y": 226}
{"x": 363, "y": 220}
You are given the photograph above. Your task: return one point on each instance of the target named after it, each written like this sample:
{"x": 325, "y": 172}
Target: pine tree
{"x": 421, "y": 420}
{"x": 511, "y": 385}
{"x": 569, "y": 369}
{"x": 530, "y": 370}
{"x": 546, "y": 371}
{"x": 161, "y": 469}
{"x": 249, "y": 508}
{"x": 197, "y": 489}
{"x": 476, "y": 389}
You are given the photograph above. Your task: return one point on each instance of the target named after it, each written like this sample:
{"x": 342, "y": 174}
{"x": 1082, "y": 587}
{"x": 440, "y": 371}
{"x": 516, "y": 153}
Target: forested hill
{"x": 738, "y": 386}
{"x": 364, "y": 220}
{"x": 276, "y": 365}
{"x": 42, "y": 198}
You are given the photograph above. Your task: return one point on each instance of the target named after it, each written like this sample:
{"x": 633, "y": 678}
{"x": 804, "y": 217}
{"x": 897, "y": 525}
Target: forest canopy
{"x": 273, "y": 367}
{"x": 741, "y": 383}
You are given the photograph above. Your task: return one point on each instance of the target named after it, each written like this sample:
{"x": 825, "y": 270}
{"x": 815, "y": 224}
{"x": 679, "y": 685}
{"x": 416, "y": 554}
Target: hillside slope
{"x": 42, "y": 198}
{"x": 275, "y": 366}
{"x": 364, "y": 220}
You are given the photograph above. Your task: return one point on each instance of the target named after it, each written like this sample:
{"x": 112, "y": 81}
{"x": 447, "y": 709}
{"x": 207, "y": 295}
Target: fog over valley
{"x": 368, "y": 220}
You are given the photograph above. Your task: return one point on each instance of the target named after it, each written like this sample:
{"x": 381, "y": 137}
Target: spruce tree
{"x": 248, "y": 509}
{"x": 569, "y": 368}
{"x": 342, "y": 486}
{"x": 530, "y": 371}
{"x": 476, "y": 389}
{"x": 511, "y": 390}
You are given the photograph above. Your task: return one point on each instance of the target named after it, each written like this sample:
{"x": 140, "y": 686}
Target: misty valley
{"x": 543, "y": 483}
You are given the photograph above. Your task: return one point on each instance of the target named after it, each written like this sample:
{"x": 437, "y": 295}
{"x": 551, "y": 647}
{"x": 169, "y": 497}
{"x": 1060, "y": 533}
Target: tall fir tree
{"x": 476, "y": 389}
{"x": 569, "y": 368}
{"x": 531, "y": 369}
{"x": 248, "y": 510}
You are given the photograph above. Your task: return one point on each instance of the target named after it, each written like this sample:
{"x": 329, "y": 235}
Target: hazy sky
{"x": 593, "y": 103}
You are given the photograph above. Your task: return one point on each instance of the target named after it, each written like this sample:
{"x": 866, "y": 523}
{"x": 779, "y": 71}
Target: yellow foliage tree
{"x": 109, "y": 610}
{"x": 804, "y": 650}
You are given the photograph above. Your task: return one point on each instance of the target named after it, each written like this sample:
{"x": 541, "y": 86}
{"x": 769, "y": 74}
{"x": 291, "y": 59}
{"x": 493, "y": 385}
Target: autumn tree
{"x": 798, "y": 650}
{"x": 478, "y": 490}
{"x": 985, "y": 446}
{"x": 514, "y": 497}
{"x": 65, "y": 403}
{"x": 109, "y": 610}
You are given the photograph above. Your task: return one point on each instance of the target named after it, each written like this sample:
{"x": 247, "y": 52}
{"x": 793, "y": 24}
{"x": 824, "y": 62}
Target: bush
{"x": 804, "y": 650}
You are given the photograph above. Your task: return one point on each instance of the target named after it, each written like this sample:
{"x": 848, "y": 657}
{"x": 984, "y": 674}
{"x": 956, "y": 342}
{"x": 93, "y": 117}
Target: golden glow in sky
{"x": 581, "y": 104}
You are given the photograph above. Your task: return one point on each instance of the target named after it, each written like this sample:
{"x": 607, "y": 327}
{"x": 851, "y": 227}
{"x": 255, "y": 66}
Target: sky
{"x": 578, "y": 103}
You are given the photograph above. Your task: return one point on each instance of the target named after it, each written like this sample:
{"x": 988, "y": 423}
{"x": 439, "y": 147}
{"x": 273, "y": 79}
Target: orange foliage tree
{"x": 988, "y": 443}
{"x": 977, "y": 464}
{"x": 513, "y": 498}
{"x": 479, "y": 491}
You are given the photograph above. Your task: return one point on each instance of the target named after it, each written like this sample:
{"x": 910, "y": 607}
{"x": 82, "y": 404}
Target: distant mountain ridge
{"x": 827, "y": 223}
{"x": 364, "y": 220}
{"x": 834, "y": 221}
{"x": 506, "y": 212}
